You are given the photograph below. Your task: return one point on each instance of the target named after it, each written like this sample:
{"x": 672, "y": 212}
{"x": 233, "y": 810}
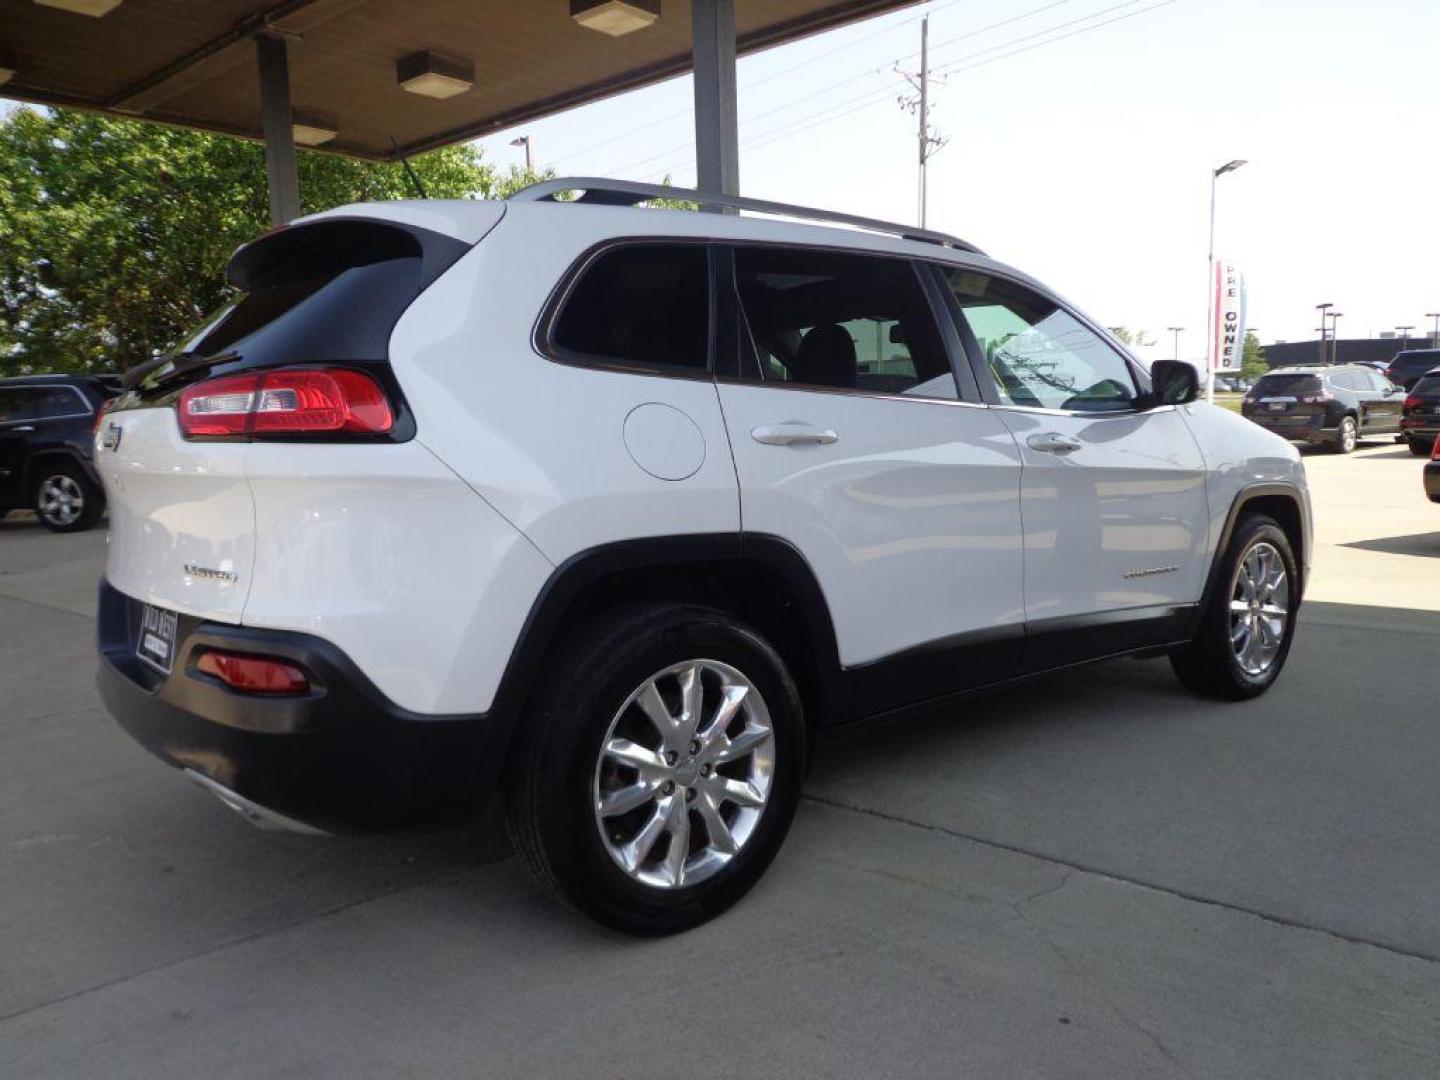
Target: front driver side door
{"x": 17, "y": 424}
{"x": 1113, "y": 497}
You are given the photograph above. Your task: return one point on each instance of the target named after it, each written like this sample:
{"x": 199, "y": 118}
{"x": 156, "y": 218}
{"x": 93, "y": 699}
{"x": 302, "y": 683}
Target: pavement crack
{"x": 1124, "y": 879}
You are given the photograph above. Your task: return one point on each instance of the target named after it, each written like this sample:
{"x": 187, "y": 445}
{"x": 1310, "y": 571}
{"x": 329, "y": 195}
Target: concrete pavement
{"x": 1092, "y": 876}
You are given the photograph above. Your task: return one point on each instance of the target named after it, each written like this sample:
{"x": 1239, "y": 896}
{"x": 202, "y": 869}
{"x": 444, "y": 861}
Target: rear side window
{"x": 1429, "y": 384}
{"x": 851, "y": 322}
{"x": 1347, "y": 380}
{"x": 57, "y": 401}
{"x": 1408, "y": 364}
{"x": 16, "y": 404}
{"x": 1272, "y": 385}
{"x": 645, "y": 305}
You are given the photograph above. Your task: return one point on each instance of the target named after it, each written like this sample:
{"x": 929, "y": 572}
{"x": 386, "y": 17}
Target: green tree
{"x": 1132, "y": 337}
{"x": 1252, "y": 359}
{"x": 116, "y": 234}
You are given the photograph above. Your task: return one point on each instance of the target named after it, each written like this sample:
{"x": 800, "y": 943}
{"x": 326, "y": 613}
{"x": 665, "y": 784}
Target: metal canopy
{"x": 194, "y": 64}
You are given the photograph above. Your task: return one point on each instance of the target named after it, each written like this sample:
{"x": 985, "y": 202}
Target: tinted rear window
{"x": 1430, "y": 384}
{"x": 1415, "y": 363}
{"x": 1287, "y": 384}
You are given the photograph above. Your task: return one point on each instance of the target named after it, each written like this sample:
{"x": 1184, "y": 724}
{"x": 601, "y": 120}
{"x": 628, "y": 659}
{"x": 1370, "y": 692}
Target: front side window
{"x": 642, "y": 304}
{"x": 1040, "y": 355}
{"x": 850, "y": 322}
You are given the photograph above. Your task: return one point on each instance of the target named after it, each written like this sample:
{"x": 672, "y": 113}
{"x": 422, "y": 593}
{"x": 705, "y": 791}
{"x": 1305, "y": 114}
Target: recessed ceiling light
{"x": 313, "y": 128}
{"x": 435, "y": 76}
{"x": 93, "y": 8}
{"x": 615, "y": 17}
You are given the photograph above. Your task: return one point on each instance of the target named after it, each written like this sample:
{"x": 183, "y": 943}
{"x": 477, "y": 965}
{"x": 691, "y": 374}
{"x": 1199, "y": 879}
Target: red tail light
{"x": 286, "y": 403}
{"x": 1411, "y": 402}
{"x": 254, "y": 674}
{"x": 1435, "y": 452}
{"x": 1314, "y": 399}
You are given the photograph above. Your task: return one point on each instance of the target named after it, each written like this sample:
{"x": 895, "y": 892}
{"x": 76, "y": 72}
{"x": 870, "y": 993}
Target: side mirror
{"x": 1173, "y": 382}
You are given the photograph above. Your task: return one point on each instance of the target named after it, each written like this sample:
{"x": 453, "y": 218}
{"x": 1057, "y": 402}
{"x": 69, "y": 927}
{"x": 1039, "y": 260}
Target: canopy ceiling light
{"x": 432, "y": 75}
{"x": 313, "y": 128}
{"x": 615, "y": 17}
{"x": 93, "y": 8}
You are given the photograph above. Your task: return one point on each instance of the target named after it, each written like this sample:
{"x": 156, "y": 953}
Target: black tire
{"x": 1400, "y": 438}
{"x": 82, "y": 501}
{"x": 1209, "y": 665}
{"x": 549, "y": 797}
{"x": 1347, "y": 437}
{"x": 1421, "y": 448}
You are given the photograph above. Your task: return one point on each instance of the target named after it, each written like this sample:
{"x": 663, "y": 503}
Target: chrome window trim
{"x": 843, "y": 391}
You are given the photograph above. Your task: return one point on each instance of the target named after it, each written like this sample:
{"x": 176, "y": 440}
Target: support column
{"x": 275, "y": 119}
{"x": 717, "y": 129}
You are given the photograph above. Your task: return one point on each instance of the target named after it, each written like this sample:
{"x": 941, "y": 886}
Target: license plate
{"x": 156, "y": 642}
{"x": 1276, "y": 406}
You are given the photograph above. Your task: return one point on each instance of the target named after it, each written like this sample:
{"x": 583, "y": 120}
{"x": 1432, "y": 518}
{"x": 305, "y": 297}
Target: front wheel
{"x": 66, "y": 499}
{"x": 1249, "y": 621}
{"x": 660, "y": 769}
{"x": 1421, "y": 448}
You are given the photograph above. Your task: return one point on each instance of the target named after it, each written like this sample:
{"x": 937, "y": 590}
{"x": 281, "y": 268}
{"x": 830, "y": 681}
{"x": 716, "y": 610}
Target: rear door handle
{"x": 1052, "y": 442}
{"x": 792, "y": 433}
{"x": 23, "y": 429}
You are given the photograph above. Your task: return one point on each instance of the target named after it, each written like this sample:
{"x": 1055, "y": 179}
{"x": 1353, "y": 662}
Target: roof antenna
{"x": 410, "y": 172}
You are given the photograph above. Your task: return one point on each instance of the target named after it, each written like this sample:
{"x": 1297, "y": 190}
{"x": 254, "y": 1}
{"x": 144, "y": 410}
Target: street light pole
{"x": 1211, "y": 297}
{"x": 1406, "y": 331}
{"x": 1435, "y": 331}
{"x": 1335, "y": 317}
{"x": 1324, "y": 310}
{"x": 524, "y": 140}
{"x": 1175, "y": 355}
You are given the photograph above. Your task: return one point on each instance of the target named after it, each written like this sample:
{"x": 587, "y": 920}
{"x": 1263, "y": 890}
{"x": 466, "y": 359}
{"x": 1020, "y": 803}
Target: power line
{"x": 870, "y": 98}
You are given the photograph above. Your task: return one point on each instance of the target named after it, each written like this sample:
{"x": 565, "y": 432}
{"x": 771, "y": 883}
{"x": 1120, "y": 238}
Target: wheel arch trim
{"x": 1246, "y": 497}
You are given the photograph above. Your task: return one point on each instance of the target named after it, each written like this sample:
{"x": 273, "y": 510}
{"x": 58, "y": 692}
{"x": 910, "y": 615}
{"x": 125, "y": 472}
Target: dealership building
{"x": 1344, "y": 351}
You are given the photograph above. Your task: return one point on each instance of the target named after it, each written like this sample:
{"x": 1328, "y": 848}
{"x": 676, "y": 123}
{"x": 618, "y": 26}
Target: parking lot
{"x": 1096, "y": 875}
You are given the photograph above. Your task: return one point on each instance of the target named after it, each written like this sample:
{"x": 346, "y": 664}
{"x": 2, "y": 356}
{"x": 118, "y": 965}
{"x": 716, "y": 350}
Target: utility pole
{"x": 929, "y": 144}
{"x": 1175, "y": 354}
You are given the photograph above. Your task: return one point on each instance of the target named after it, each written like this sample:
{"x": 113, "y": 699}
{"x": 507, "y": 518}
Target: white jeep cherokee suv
{"x": 623, "y": 510}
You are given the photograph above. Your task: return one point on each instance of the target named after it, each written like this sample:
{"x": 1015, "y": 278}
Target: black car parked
{"x": 1421, "y": 419}
{"x": 1408, "y": 366}
{"x": 47, "y": 423}
{"x": 1337, "y": 406}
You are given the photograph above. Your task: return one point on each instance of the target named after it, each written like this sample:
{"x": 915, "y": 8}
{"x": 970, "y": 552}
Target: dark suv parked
{"x": 1337, "y": 406}
{"x": 46, "y": 426}
{"x": 1421, "y": 420}
{"x": 1407, "y": 367}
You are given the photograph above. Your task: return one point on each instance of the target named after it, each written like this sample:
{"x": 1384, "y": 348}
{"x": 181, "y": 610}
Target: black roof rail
{"x": 628, "y": 193}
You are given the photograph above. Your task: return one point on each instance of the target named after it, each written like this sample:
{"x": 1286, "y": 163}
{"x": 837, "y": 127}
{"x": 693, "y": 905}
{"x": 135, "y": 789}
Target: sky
{"x": 1082, "y": 135}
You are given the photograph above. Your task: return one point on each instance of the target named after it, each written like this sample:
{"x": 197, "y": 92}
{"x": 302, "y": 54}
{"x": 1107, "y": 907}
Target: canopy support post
{"x": 717, "y": 129}
{"x": 276, "y": 122}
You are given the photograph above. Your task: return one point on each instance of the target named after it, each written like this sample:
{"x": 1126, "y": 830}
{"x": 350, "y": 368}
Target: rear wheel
{"x": 66, "y": 499}
{"x": 1347, "y": 436}
{"x": 1247, "y": 627}
{"x": 1421, "y": 448}
{"x": 660, "y": 769}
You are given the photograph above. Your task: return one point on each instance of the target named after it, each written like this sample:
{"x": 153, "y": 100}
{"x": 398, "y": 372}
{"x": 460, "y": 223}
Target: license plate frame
{"x": 155, "y": 638}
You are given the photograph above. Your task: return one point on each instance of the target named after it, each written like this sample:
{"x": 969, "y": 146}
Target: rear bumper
{"x": 1432, "y": 480}
{"x": 1311, "y": 431}
{"x": 340, "y": 757}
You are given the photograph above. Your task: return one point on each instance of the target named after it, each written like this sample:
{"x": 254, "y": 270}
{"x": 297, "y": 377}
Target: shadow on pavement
{"x": 1426, "y": 544}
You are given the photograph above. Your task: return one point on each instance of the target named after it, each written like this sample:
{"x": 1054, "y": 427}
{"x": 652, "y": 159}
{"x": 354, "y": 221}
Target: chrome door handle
{"x": 1052, "y": 442}
{"x": 23, "y": 429}
{"x": 792, "y": 433}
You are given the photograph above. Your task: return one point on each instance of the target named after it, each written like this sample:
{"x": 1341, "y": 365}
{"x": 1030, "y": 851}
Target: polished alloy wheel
{"x": 1259, "y": 608}
{"x": 684, "y": 774}
{"x": 60, "y": 500}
